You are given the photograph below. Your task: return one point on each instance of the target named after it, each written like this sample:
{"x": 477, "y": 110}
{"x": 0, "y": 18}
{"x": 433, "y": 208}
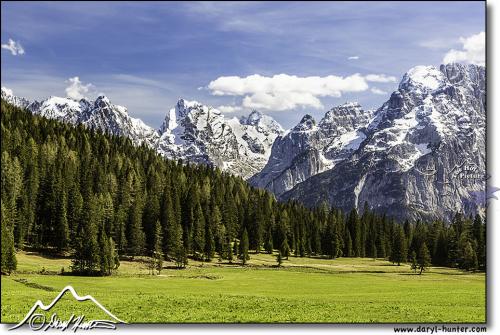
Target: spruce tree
{"x": 424, "y": 258}
{"x": 86, "y": 256}
{"x": 9, "y": 261}
{"x": 470, "y": 258}
{"x": 478, "y": 232}
{"x": 209, "y": 244}
{"x": 413, "y": 261}
{"x": 268, "y": 246}
{"x": 399, "y": 252}
{"x": 135, "y": 234}
{"x": 243, "y": 255}
{"x": 198, "y": 231}
{"x": 156, "y": 252}
{"x": 285, "y": 249}
{"x": 61, "y": 224}
{"x": 279, "y": 258}
{"x": 106, "y": 254}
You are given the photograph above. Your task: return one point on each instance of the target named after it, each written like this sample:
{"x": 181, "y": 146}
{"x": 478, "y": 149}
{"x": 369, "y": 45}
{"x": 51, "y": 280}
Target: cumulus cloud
{"x": 284, "y": 92}
{"x": 353, "y": 57}
{"x": 14, "y": 47}
{"x": 380, "y": 78}
{"x": 230, "y": 109}
{"x": 378, "y": 91}
{"x": 76, "y": 90}
{"x": 473, "y": 50}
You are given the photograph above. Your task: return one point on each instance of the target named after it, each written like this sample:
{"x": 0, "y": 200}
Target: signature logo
{"x": 38, "y": 321}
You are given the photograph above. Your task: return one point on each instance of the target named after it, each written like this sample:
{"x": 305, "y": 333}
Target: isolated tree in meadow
{"x": 279, "y": 258}
{"x": 181, "y": 259}
{"x": 243, "y": 255}
{"x": 424, "y": 258}
{"x": 413, "y": 261}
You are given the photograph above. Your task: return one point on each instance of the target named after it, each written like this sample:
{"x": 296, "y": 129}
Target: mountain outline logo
{"x": 77, "y": 322}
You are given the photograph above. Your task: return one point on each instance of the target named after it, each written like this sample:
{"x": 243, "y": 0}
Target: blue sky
{"x": 147, "y": 55}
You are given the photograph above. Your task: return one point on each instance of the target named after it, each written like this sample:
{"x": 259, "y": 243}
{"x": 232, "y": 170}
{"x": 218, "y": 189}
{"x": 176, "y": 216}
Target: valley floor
{"x": 345, "y": 290}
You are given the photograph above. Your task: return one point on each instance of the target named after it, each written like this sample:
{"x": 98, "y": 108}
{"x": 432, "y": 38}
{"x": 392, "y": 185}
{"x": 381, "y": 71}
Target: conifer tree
{"x": 198, "y": 231}
{"x": 156, "y": 252}
{"x": 135, "y": 234}
{"x": 399, "y": 251}
{"x": 209, "y": 244}
{"x": 279, "y": 258}
{"x": 285, "y": 249}
{"x": 470, "y": 258}
{"x": 413, "y": 261}
{"x": 269, "y": 242}
{"x": 106, "y": 254}
{"x": 236, "y": 247}
{"x": 243, "y": 255}
{"x": 424, "y": 258}
{"x": 61, "y": 223}
{"x": 9, "y": 261}
{"x": 478, "y": 232}
{"x": 86, "y": 257}
{"x": 229, "y": 250}
{"x": 348, "y": 246}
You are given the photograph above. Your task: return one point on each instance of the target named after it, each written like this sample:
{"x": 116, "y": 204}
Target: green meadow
{"x": 344, "y": 290}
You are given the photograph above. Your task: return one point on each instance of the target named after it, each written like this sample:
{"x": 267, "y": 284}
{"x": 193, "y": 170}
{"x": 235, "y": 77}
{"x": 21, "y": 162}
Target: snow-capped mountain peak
{"x": 8, "y": 95}
{"x": 406, "y": 159}
{"x": 253, "y": 118}
{"x": 200, "y": 133}
{"x": 307, "y": 123}
{"x": 424, "y": 77}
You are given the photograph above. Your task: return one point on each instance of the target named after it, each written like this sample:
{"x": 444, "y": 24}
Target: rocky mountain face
{"x": 202, "y": 134}
{"x": 191, "y": 131}
{"x": 421, "y": 155}
{"x": 311, "y": 148}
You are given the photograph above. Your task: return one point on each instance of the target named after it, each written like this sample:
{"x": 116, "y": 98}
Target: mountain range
{"x": 191, "y": 131}
{"x": 420, "y": 155}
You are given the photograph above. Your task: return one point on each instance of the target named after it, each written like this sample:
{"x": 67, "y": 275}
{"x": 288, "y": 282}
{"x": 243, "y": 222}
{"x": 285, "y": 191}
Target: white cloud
{"x": 284, "y": 92}
{"x": 353, "y": 57}
{"x": 230, "y": 109}
{"x": 473, "y": 51}
{"x": 76, "y": 89}
{"x": 14, "y": 47}
{"x": 378, "y": 91}
{"x": 380, "y": 78}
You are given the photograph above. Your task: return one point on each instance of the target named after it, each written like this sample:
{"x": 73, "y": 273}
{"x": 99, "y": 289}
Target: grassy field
{"x": 345, "y": 290}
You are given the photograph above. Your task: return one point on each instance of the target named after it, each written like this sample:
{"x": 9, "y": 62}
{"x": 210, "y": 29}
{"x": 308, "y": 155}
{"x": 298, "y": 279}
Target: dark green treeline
{"x": 69, "y": 189}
